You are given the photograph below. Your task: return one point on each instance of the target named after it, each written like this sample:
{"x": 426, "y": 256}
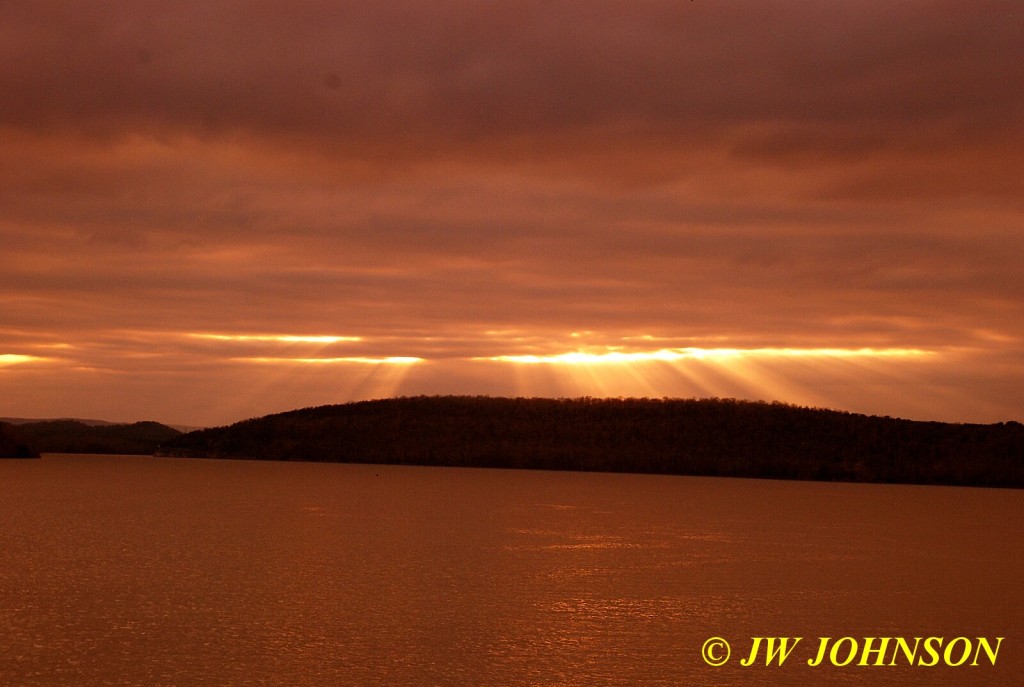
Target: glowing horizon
{"x": 389, "y": 360}
{"x": 19, "y": 359}
{"x": 279, "y": 338}
{"x": 695, "y": 353}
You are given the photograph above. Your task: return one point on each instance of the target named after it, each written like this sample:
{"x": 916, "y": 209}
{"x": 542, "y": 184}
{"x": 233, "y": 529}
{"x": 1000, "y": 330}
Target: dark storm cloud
{"x": 400, "y": 78}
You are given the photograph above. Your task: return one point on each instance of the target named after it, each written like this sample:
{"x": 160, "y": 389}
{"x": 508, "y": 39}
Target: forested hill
{"x": 75, "y": 436}
{"x": 690, "y": 437}
{"x": 13, "y": 444}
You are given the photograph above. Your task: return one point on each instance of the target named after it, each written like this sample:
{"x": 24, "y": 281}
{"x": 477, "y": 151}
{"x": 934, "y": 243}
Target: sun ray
{"x": 804, "y": 376}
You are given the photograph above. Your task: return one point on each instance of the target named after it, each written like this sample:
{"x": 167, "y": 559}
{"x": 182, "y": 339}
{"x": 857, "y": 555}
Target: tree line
{"x": 13, "y": 444}
{"x": 74, "y": 436}
{"x": 721, "y": 437}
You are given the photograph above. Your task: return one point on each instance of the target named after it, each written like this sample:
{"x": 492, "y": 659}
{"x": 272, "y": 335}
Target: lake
{"x": 128, "y": 570}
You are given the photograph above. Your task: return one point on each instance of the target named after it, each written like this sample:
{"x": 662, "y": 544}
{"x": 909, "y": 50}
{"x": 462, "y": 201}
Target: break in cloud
{"x": 461, "y": 182}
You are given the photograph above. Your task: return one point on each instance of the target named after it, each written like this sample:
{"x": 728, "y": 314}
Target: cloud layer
{"x": 456, "y": 180}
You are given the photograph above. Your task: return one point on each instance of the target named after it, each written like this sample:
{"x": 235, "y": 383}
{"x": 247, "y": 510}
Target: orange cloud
{"x": 459, "y": 182}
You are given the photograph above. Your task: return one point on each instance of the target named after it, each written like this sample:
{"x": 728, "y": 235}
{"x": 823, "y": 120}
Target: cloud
{"x": 419, "y": 174}
{"x": 419, "y": 78}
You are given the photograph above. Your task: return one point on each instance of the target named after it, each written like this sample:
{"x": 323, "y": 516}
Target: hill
{"x": 27, "y": 420}
{"x": 13, "y": 444}
{"x": 670, "y": 436}
{"x": 76, "y": 436}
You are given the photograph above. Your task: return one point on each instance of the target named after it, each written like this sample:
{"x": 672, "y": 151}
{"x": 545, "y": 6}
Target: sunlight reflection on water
{"x": 141, "y": 571}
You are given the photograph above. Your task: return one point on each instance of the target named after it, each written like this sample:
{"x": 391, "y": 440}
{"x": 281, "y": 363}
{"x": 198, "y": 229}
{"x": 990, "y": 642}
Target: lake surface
{"x": 154, "y": 571}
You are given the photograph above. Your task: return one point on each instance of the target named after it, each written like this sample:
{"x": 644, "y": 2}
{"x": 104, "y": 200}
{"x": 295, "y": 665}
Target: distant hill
{"x": 13, "y": 444}
{"x": 672, "y": 436}
{"x": 26, "y": 420}
{"x": 76, "y": 436}
{"x": 92, "y": 423}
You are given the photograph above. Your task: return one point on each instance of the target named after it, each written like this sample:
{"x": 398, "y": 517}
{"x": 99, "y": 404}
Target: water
{"x": 147, "y": 571}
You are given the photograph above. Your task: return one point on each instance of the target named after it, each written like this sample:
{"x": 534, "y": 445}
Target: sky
{"x": 215, "y": 210}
